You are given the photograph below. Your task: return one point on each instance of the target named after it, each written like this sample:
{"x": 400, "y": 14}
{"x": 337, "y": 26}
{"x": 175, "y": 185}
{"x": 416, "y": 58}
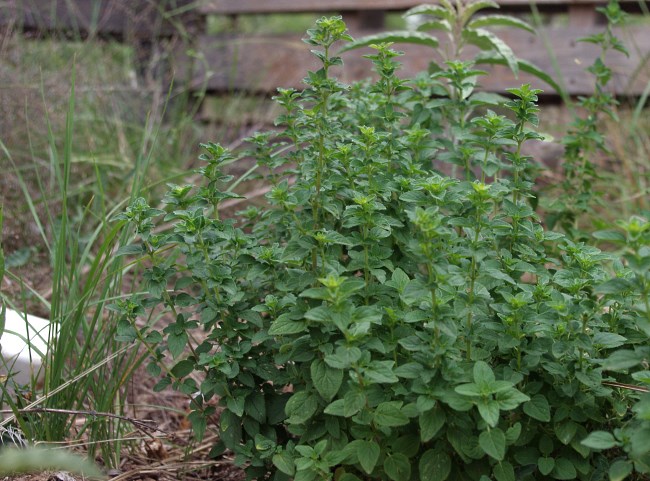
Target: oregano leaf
{"x": 619, "y": 470}
{"x": 327, "y": 380}
{"x": 284, "y": 462}
{"x": 381, "y": 372}
{"x": 430, "y": 423}
{"x": 301, "y": 407}
{"x": 600, "y": 440}
{"x": 397, "y": 467}
{"x": 483, "y": 375}
{"x": 285, "y": 325}
{"x": 434, "y": 465}
{"x": 545, "y": 465}
{"x": 389, "y": 414}
{"x": 565, "y": 431}
{"x": 564, "y": 469}
{"x": 493, "y": 443}
{"x": 368, "y": 453}
{"x": 489, "y": 411}
{"x": 176, "y": 341}
{"x": 538, "y": 408}
{"x": 504, "y": 471}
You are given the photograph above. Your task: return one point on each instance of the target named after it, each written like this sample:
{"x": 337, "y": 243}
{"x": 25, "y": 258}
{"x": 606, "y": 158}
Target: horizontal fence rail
{"x": 123, "y": 19}
{"x": 259, "y": 64}
{"x": 235, "y": 7}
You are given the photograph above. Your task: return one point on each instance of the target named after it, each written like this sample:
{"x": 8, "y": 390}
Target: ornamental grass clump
{"x": 379, "y": 320}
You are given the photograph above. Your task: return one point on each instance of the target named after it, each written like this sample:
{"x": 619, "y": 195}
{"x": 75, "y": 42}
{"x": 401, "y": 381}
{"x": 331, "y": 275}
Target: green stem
{"x": 206, "y": 258}
{"x": 366, "y": 263}
{"x": 434, "y": 299}
{"x": 321, "y": 145}
{"x": 515, "y": 194}
{"x": 485, "y": 159}
{"x": 472, "y": 282}
{"x": 322, "y": 255}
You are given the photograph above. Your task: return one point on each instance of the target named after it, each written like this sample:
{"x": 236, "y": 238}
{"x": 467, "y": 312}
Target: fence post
{"x": 360, "y": 20}
{"x": 582, "y": 15}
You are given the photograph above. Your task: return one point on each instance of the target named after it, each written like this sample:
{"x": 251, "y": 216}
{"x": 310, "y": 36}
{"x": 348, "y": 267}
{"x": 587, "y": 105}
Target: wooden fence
{"x": 262, "y": 63}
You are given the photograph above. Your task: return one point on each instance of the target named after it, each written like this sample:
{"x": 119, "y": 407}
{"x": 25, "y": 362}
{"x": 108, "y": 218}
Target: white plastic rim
{"x": 23, "y": 346}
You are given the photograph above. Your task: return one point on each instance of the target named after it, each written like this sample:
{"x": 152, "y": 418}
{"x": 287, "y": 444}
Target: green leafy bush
{"x": 629, "y": 296}
{"x": 381, "y": 320}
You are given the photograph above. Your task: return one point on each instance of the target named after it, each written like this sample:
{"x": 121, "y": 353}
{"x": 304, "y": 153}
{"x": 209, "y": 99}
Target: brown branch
{"x": 184, "y": 466}
{"x": 143, "y": 425}
{"x": 631, "y": 387}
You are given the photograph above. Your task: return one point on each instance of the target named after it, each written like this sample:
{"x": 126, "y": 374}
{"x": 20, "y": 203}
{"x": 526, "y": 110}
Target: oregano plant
{"x": 379, "y": 319}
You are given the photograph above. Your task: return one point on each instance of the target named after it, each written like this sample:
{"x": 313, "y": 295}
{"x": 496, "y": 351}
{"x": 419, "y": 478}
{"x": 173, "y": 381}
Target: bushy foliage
{"x": 629, "y": 294}
{"x": 380, "y": 319}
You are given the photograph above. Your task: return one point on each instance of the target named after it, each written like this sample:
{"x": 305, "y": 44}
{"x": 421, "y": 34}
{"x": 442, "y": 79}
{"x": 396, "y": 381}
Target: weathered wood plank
{"x": 583, "y": 15}
{"x": 260, "y": 64}
{"x": 119, "y": 18}
{"x": 366, "y": 20}
{"x": 234, "y": 7}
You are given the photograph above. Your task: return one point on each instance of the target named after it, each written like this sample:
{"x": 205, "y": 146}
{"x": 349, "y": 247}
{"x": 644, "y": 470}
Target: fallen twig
{"x": 144, "y": 425}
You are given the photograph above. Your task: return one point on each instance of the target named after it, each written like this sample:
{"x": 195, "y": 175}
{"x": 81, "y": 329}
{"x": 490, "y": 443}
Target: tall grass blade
{"x": 560, "y": 85}
{"x": 26, "y": 194}
{"x": 3, "y": 307}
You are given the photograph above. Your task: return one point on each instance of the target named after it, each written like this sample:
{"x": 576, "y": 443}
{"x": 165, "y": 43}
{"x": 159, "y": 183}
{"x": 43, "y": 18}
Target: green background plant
{"x": 629, "y": 296}
{"x": 462, "y": 27}
{"x": 579, "y": 193}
